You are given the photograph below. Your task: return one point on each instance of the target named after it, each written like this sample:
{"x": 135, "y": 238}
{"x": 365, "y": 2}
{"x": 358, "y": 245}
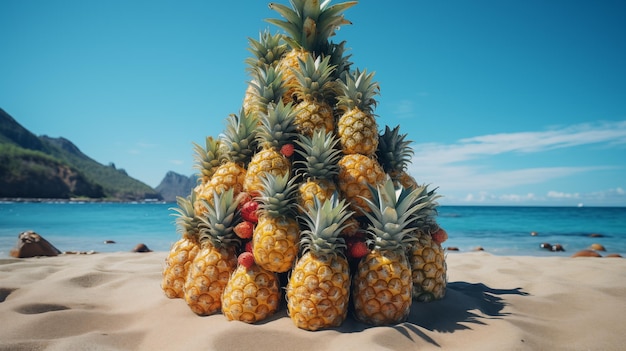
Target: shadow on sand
{"x": 464, "y": 303}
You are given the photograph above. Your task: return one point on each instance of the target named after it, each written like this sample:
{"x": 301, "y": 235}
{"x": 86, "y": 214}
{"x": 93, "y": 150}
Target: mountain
{"x": 174, "y": 185}
{"x": 43, "y": 167}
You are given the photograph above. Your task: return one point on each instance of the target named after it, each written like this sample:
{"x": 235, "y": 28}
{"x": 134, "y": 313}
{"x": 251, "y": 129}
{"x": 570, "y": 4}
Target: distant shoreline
{"x": 77, "y": 200}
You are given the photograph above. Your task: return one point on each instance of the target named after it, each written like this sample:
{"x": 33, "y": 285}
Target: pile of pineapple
{"x": 301, "y": 194}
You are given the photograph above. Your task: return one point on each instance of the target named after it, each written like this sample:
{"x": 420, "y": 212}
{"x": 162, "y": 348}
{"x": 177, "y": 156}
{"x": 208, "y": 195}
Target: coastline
{"x": 113, "y": 301}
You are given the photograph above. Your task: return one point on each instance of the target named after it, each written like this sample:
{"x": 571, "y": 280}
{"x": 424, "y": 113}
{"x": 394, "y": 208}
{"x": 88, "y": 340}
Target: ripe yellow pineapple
{"x": 318, "y": 167}
{"x": 357, "y": 128}
{"x": 394, "y": 154}
{"x": 382, "y": 287}
{"x": 217, "y": 259}
{"x": 238, "y": 144}
{"x": 357, "y": 173}
{"x": 428, "y": 268}
{"x": 252, "y": 293}
{"x": 276, "y": 130}
{"x": 183, "y": 251}
{"x": 318, "y": 290}
{"x": 275, "y": 237}
{"x": 316, "y": 86}
{"x": 426, "y": 256}
{"x": 308, "y": 24}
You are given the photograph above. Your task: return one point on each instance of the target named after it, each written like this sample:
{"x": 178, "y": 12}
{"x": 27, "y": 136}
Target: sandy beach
{"x": 113, "y": 301}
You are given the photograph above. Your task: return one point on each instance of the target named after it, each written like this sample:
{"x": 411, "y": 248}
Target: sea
{"x": 87, "y": 226}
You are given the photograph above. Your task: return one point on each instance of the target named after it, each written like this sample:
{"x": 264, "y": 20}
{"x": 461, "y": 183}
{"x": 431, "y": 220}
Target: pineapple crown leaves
{"x": 186, "y": 220}
{"x": 339, "y": 59}
{"x": 323, "y": 223}
{"x": 239, "y": 138}
{"x": 425, "y": 218}
{"x": 320, "y": 155}
{"x": 277, "y": 195}
{"x": 277, "y": 126}
{"x": 315, "y": 78}
{"x": 392, "y": 213}
{"x": 207, "y": 158}
{"x": 394, "y": 152}
{"x": 266, "y": 51}
{"x": 357, "y": 91}
{"x": 309, "y": 23}
{"x": 218, "y": 221}
{"x": 268, "y": 85}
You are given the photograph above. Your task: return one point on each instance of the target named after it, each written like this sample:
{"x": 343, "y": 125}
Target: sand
{"x": 113, "y": 301}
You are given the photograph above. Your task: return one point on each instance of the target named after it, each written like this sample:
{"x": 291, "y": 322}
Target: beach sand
{"x": 113, "y": 301}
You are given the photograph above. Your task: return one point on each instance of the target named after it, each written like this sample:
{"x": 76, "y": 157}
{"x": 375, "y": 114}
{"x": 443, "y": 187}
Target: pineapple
{"x": 357, "y": 127}
{"x": 394, "y": 154}
{"x": 382, "y": 287}
{"x": 319, "y": 167}
{"x": 276, "y": 130}
{"x": 252, "y": 293}
{"x": 275, "y": 237}
{"x": 308, "y": 24}
{"x": 217, "y": 259}
{"x": 357, "y": 173}
{"x": 183, "y": 251}
{"x": 318, "y": 289}
{"x": 316, "y": 86}
{"x": 266, "y": 51}
{"x": 428, "y": 267}
{"x": 426, "y": 256}
{"x": 238, "y": 144}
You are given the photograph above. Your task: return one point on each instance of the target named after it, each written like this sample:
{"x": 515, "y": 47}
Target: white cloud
{"x": 177, "y": 162}
{"x": 460, "y": 168}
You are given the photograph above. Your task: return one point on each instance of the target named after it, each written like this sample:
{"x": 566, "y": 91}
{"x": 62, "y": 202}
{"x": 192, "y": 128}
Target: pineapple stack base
{"x": 111, "y": 301}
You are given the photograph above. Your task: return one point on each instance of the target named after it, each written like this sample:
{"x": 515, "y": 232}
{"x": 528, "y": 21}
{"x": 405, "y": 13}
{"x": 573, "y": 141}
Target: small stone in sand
{"x": 558, "y": 247}
{"x": 597, "y": 247}
{"x": 452, "y": 248}
{"x": 141, "y": 248}
{"x": 586, "y": 253}
{"x": 614, "y": 255}
{"x": 546, "y": 246}
{"x": 479, "y": 248}
{"x": 31, "y": 244}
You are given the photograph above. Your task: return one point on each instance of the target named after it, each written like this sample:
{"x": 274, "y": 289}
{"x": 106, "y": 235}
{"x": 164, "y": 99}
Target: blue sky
{"x": 507, "y": 102}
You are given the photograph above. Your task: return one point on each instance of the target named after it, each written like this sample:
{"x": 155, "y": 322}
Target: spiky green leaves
{"x": 186, "y": 220}
{"x": 323, "y": 223}
{"x": 320, "y": 155}
{"x": 239, "y": 138}
{"x": 315, "y": 78}
{"x": 218, "y": 221}
{"x": 267, "y": 87}
{"x": 309, "y": 23}
{"x": 277, "y": 126}
{"x": 277, "y": 195}
{"x": 207, "y": 158}
{"x": 393, "y": 214}
{"x": 394, "y": 152}
{"x": 357, "y": 91}
{"x": 266, "y": 51}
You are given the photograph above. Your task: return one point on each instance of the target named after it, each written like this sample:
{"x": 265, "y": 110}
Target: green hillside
{"x": 44, "y": 167}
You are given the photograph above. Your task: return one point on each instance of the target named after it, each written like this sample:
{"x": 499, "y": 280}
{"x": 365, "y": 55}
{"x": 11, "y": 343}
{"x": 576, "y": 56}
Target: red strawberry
{"x": 246, "y": 259}
{"x": 287, "y": 150}
{"x": 244, "y": 229}
{"x": 440, "y": 236}
{"x": 243, "y": 198}
{"x": 357, "y": 249}
{"x": 248, "y": 211}
{"x": 248, "y": 246}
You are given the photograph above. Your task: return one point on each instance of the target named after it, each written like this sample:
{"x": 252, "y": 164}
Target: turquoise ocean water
{"x": 499, "y": 230}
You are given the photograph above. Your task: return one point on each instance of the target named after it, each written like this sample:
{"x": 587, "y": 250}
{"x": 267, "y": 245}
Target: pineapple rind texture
{"x": 251, "y": 294}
